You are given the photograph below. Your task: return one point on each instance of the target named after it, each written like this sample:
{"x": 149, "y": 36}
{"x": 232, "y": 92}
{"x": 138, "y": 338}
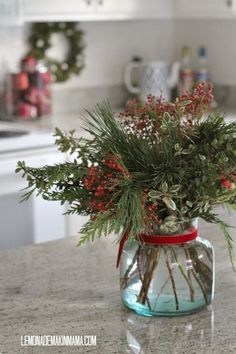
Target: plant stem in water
{"x": 162, "y": 288}
{"x": 201, "y": 267}
{"x": 152, "y": 261}
{"x": 187, "y": 277}
{"x": 193, "y": 271}
{"x": 200, "y": 285}
{"x": 141, "y": 277}
{"x": 125, "y": 278}
{"x": 208, "y": 255}
{"x": 171, "y": 278}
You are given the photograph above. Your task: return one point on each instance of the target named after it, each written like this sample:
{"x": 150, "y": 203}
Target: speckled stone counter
{"x": 58, "y": 289}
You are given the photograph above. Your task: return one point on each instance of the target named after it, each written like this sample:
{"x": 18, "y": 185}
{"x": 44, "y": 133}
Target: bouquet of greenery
{"x": 154, "y": 168}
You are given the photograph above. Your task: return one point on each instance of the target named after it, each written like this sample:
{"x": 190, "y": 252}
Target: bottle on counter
{"x": 202, "y": 73}
{"x": 186, "y": 73}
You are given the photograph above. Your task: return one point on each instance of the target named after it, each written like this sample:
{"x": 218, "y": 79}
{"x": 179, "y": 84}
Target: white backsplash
{"x": 110, "y": 46}
{"x": 76, "y": 100}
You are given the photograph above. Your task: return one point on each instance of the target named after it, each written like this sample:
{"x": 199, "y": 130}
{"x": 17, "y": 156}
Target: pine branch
{"x": 229, "y": 242}
{"x": 101, "y": 226}
{"x": 213, "y": 218}
{"x": 193, "y": 156}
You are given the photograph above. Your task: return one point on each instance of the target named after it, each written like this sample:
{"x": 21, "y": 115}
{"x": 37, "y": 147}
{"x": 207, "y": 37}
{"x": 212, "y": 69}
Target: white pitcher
{"x": 155, "y": 79}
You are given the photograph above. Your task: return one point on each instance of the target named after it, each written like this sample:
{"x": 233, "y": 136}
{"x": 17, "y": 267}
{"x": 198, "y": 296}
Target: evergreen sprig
{"x": 127, "y": 181}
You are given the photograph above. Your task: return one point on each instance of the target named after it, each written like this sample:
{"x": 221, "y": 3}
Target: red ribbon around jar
{"x": 159, "y": 240}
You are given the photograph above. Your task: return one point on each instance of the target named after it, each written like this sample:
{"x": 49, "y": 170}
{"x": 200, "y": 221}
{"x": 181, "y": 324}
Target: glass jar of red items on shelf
{"x": 27, "y": 93}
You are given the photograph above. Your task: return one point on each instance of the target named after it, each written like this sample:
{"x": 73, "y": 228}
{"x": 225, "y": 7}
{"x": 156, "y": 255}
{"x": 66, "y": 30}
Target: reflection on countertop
{"x": 65, "y": 121}
{"x": 57, "y": 288}
{"x": 193, "y": 334}
{"x": 72, "y": 120}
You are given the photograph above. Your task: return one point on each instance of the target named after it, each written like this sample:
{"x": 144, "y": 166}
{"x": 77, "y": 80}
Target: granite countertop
{"x": 69, "y": 121}
{"x": 56, "y": 288}
{"x": 65, "y": 121}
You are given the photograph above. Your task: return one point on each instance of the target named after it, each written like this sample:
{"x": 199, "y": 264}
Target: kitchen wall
{"x": 110, "y": 45}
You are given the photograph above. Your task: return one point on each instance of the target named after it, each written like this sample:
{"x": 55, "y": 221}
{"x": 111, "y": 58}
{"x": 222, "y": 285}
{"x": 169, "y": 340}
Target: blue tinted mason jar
{"x": 167, "y": 279}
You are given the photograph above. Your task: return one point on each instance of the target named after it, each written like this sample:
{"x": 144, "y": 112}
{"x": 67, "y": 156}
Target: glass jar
{"x": 27, "y": 92}
{"x": 167, "y": 279}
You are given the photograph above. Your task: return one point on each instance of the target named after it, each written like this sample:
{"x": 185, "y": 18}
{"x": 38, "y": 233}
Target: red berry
{"x": 119, "y": 168}
{"x": 225, "y": 183}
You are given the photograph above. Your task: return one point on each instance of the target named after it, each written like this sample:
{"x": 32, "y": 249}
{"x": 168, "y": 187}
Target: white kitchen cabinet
{"x": 204, "y": 8}
{"x": 92, "y": 10}
{"x": 32, "y": 221}
{"x": 10, "y": 12}
{"x": 102, "y": 10}
{"x": 109, "y": 9}
{"x": 57, "y": 10}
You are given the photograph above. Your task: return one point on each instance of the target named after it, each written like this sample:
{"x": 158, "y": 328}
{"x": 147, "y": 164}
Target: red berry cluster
{"x": 151, "y": 209}
{"x": 201, "y": 98}
{"x": 228, "y": 183}
{"x": 156, "y": 105}
{"x": 146, "y": 119}
{"x": 113, "y": 164}
{"x": 99, "y": 180}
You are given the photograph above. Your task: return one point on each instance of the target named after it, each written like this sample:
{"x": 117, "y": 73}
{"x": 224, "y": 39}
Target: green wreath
{"x": 40, "y": 41}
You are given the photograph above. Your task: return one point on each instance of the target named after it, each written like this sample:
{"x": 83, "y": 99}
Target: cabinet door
{"x": 57, "y": 10}
{"x": 128, "y": 9}
{"x": 204, "y": 8}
